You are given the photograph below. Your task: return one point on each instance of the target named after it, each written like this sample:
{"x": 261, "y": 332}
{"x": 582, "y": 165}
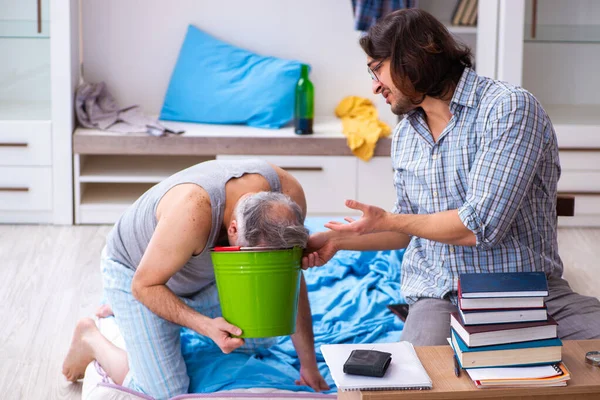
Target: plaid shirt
{"x": 367, "y": 12}
{"x": 497, "y": 163}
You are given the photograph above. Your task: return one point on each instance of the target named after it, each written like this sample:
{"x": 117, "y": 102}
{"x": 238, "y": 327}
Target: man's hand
{"x": 372, "y": 220}
{"x": 312, "y": 377}
{"x": 220, "y": 331}
{"x": 320, "y": 248}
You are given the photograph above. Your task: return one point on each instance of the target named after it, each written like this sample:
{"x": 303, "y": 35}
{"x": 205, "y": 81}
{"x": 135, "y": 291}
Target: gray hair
{"x": 270, "y": 219}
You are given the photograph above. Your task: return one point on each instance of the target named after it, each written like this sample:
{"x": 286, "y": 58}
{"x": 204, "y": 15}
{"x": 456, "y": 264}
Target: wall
{"x": 133, "y": 44}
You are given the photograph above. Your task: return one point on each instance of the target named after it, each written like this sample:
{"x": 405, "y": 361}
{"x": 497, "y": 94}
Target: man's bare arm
{"x": 183, "y": 226}
{"x": 371, "y": 241}
{"x": 303, "y": 338}
{"x": 183, "y": 229}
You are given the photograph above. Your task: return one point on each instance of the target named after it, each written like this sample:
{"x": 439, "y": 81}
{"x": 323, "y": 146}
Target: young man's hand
{"x": 320, "y": 248}
{"x": 311, "y": 376}
{"x": 220, "y": 331}
{"x": 373, "y": 220}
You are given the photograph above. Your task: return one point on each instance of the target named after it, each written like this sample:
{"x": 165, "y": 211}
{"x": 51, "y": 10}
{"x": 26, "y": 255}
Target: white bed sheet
{"x": 95, "y": 386}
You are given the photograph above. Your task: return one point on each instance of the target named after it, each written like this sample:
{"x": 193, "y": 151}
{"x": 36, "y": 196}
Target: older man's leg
{"x": 578, "y": 316}
{"x": 156, "y": 365}
{"x": 428, "y": 322}
{"x": 89, "y": 344}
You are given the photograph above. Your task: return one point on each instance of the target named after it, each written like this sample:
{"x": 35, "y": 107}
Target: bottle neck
{"x": 304, "y": 72}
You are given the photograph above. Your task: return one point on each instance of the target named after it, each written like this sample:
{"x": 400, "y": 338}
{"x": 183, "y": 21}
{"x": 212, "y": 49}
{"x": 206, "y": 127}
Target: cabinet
{"x": 327, "y": 181}
{"x": 35, "y": 111}
{"x": 107, "y": 184}
{"x": 111, "y": 171}
{"x": 376, "y": 182}
{"x": 25, "y": 113}
{"x": 553, "y": 50}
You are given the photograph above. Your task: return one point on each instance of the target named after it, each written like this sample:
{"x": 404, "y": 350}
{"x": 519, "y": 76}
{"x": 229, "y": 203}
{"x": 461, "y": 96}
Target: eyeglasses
{"x": 375, "y": 68}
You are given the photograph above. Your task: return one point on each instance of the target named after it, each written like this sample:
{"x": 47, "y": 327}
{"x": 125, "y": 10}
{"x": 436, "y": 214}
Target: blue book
{"x": 503, "y": 284}
{"x": 535, "y": 352}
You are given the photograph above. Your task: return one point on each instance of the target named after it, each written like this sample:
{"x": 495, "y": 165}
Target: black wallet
{"x": 367, "y": 363}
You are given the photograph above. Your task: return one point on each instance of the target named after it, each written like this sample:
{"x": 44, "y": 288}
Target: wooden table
{"x": 437, "y": 360}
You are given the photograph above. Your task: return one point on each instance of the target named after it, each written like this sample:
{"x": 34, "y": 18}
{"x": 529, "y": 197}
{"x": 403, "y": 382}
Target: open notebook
{"x": 405, "y": 370}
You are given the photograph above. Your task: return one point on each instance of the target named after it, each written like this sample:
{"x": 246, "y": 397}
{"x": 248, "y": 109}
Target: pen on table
{"x": 456, "y": 365}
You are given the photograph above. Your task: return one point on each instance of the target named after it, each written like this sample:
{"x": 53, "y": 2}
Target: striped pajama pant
{"x": 156, "y": 365}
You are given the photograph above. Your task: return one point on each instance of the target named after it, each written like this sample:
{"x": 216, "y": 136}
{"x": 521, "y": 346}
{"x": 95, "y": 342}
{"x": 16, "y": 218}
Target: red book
{"x": 493, "y": 334}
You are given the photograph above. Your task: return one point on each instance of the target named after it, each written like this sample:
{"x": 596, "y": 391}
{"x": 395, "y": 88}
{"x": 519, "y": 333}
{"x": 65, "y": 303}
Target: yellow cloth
{"x": 361, "y": 125}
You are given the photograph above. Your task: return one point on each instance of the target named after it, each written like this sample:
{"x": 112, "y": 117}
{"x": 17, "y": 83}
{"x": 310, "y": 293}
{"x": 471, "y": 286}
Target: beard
{"x": 402, "y": 106}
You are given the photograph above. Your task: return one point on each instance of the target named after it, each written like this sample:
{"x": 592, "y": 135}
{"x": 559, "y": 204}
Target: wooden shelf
{"x": 103, "y": 203}
{"x": 133, "y": 169}
{"x": 112, "y": 195}
{"x": 461, "y": 29}
{"x": 210, "y": 140}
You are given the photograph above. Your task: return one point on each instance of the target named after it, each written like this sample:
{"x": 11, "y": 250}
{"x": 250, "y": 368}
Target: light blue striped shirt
{"x": 497, "y": 163}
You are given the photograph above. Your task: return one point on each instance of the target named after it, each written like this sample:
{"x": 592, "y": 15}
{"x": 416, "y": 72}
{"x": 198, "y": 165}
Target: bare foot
{"x": 104, "y": 311}
{"x": 80, "y": 353}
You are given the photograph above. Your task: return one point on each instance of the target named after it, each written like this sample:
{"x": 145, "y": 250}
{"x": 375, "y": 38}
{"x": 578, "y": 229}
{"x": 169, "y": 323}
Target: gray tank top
{"x": 127, "y": 241}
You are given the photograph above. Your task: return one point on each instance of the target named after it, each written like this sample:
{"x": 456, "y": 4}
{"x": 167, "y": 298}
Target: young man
{"x": 476, "y": 168}
{"x": 158, "y": 275}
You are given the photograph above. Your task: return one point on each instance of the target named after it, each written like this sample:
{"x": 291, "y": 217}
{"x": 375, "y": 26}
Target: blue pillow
{"x": 217, "y": 83}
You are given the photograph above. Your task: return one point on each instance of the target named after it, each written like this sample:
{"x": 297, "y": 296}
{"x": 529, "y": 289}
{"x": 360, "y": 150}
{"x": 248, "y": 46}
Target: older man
{"x": 158, "y": 275}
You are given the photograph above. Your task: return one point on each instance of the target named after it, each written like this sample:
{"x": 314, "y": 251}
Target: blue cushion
{"x": 215, "y": 82}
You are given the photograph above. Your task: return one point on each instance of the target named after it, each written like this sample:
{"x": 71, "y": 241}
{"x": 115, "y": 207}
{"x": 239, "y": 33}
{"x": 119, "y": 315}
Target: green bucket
{"x": 258, "y": 290}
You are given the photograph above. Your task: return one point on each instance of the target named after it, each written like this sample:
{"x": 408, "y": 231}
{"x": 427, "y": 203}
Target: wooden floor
{"x": 50, "y": 278}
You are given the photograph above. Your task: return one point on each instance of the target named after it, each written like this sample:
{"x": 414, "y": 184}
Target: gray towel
{"x": 96, "y": 108}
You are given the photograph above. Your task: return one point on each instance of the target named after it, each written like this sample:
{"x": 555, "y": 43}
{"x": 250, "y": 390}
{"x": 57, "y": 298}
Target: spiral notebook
{"x": 404, "y": 373}
{"x": 537, "y": 376}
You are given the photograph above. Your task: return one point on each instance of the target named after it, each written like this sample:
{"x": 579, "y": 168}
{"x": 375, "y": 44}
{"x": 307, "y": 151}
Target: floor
{"x": 50, "y": 279}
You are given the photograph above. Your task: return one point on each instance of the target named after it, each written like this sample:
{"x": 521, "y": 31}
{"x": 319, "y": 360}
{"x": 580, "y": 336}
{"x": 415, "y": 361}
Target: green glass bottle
{"x": 305, "y": 104}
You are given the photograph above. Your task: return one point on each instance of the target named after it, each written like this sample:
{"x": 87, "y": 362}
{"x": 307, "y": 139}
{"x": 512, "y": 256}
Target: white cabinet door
{"x": 579, "y": 182}
{"x": 327, "y": 181}
{"x": 25, "y": 188}
{"x": 25, "y": 143}
{"x": 580, "y": 160}
{"x": 376, "y": 182}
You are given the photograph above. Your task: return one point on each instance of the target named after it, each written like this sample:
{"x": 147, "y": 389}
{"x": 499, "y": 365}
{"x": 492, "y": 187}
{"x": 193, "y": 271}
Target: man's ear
{"x": 232, "y": 233}
{"x": 233, "y": 228}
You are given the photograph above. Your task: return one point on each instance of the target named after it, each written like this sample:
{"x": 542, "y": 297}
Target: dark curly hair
{"x": 425, "y": 58}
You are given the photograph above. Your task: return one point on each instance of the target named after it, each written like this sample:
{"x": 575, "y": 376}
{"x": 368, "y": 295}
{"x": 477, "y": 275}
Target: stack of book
{"x": 502, "y": 321}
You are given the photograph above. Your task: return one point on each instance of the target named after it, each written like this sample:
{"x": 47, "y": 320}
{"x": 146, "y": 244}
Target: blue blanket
{"x": 348, "y": 298}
